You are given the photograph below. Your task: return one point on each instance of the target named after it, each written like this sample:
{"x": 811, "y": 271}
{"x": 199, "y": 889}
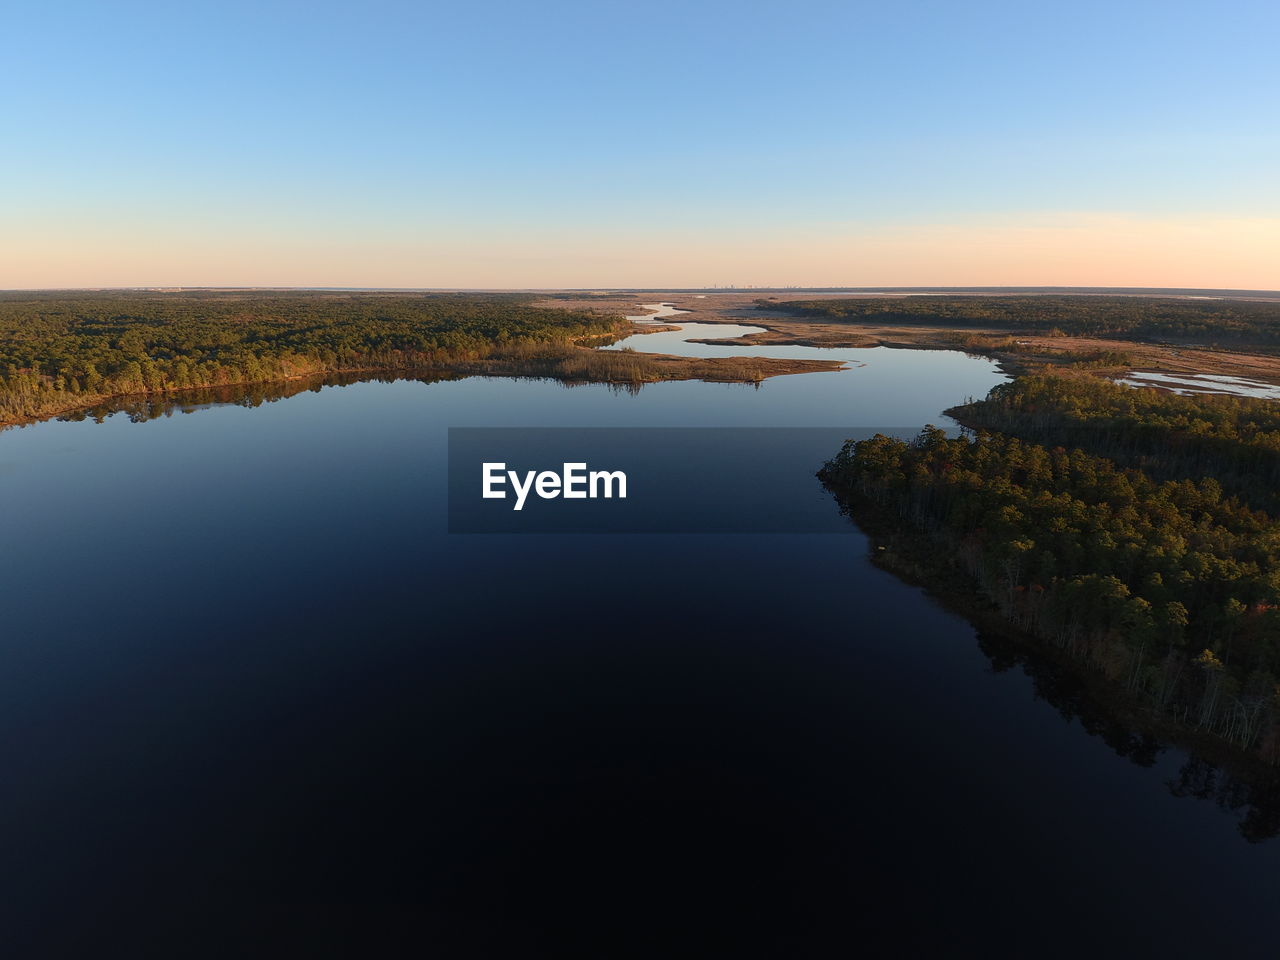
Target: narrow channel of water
{"x": 1191, "y": 384}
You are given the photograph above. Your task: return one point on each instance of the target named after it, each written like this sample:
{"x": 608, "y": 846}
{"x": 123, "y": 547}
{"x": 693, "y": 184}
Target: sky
{"x": 609, "y": 144}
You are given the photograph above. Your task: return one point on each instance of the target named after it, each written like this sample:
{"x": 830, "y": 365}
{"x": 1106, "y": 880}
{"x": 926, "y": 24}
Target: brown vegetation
{"x": 1016, "y": 353}
{"x": 578, "y": 363}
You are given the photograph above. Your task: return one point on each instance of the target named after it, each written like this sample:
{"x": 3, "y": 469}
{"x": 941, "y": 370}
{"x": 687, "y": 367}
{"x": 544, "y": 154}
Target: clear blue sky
{"x": 493, "y": 144}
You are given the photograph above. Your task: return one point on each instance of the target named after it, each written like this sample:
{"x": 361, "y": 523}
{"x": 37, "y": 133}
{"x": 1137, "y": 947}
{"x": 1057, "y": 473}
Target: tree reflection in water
{"x": 1251, "y": 794}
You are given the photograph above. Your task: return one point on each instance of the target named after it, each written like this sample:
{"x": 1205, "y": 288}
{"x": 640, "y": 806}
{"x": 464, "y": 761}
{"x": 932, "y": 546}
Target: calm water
{"x": 252, "y": 694}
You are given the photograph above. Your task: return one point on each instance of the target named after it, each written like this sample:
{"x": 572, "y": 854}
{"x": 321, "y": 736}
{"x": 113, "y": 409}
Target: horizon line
{"x": 599, "y": 289}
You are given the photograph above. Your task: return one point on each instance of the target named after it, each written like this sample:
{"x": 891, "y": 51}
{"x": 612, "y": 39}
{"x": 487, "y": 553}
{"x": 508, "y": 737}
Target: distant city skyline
{"x": 577, "y": 145}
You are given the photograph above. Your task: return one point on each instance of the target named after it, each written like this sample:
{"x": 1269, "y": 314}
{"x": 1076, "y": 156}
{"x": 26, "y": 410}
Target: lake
{"x": 252, "y": 692}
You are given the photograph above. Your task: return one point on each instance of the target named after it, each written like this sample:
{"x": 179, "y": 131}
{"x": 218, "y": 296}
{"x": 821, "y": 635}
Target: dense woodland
{"x": 1144, "y": 318}
{"x": 1170, "y": 585}
{"x": 1235, "y": 440}
{"x": 64, "y": 351}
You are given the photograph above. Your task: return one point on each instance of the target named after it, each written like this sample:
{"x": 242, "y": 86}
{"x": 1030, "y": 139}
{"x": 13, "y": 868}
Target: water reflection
{"x": 1252, "y": 794}
{"x": 1256, "y": 801}
{"x": 143, "y": 407}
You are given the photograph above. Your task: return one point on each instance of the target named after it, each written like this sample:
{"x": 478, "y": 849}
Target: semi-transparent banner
{"x": 646, "y": 480}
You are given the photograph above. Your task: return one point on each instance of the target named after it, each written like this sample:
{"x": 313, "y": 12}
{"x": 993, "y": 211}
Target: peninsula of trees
{"x": 61, "y": 352}
{"x": 1135, "y": 530}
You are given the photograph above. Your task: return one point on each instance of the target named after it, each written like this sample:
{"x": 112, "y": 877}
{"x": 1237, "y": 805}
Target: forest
{"x": 1235, "y": 440}
{"x": 1235, "y": 322}
{"x": 1168, "y": 585}
{"x": 65, "y": 351}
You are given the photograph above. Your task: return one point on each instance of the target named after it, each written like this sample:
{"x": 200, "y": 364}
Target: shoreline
{"x": 914, "y": 559}
{"x": 569, "y": 363}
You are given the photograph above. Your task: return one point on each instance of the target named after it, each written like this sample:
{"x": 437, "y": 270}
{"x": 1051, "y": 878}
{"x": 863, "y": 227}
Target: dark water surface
{"x": 254, "y": 698}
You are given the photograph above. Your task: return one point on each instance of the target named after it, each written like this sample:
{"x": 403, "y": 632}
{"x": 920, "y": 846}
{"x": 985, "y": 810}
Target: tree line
{"x": 63, "y": 351}
{"x": 1142, "y": 318}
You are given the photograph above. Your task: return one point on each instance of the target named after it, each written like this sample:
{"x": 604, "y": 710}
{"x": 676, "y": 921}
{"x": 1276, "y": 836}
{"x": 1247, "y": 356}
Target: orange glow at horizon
{"x": 1040, "y": 250}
